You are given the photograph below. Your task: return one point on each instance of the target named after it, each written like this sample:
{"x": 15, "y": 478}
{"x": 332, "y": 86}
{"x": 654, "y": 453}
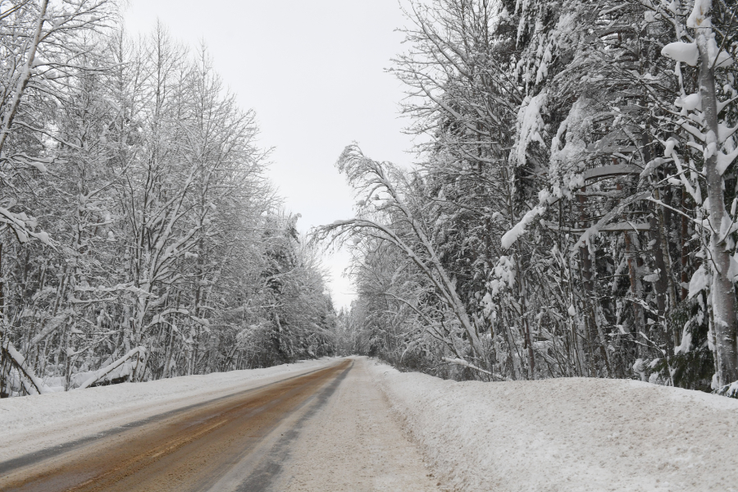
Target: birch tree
{"x": 714, "y": 136}
{"x": 382, "y": 199}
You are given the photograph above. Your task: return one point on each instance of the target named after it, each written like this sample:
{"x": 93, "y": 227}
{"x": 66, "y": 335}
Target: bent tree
{"x": 387, "y": 213}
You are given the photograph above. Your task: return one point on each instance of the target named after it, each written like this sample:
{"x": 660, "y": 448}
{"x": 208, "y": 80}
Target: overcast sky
{"x": 314, "y": 72}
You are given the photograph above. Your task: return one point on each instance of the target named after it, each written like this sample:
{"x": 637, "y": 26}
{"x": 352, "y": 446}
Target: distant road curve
{"x": 233, "y": 443}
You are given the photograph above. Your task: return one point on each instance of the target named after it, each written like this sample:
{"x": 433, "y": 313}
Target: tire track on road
{"x": 189, "y": 450}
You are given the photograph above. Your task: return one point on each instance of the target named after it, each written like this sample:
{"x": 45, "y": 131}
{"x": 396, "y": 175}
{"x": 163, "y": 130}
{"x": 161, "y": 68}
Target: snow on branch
{"x": 616, "y": 227}
{"x": 21, "y": 225}
{"x": 20, "y": 363}
{"x": 161, "y": 317}
{"x": 699, "y": 282}
{"x": 529, "y": 126}
{"x": 52, "y": 325}
{"x": 729, "y": 390}
{"x": 101, "y": 373}
{"x": 682, "y": 52}
{"x": 615, "y": 212}
{"x": 689, "y": 53}
{"x": 462, "y": 362}
{"x": 519, "y": 229}
{"x": 725, "y": 160}
{"x": 698, "y": 18}
{"x": 609, "y": 171}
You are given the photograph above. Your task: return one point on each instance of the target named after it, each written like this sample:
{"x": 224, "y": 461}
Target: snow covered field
{"x": 568, "y": 434}
{"x": 551, "y": 435}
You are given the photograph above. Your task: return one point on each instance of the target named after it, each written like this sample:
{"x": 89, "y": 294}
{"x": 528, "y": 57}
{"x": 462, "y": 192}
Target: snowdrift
{"x": 567, "y": 434}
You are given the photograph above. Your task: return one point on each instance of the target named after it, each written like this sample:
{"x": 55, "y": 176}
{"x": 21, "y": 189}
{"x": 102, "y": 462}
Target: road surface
{"x": 330, "y": 429}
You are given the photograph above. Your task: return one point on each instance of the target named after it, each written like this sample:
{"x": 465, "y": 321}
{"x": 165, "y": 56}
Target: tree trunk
{"x": 723, "y": 292}
{"x": 636, "y": 290}
{"x": 683, "y": 238}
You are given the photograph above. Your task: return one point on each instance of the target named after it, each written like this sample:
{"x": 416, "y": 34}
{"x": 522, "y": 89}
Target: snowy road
{"x": 334, "y": 425}
{"x": 329, "y": 429}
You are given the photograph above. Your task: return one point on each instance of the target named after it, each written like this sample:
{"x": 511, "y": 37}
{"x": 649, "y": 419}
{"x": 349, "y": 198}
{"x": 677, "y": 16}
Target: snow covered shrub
{"x": 692, "y": 364}
{"x": 729, "y": 390}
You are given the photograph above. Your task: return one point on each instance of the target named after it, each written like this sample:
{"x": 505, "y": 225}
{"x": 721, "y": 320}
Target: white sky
{"x": 314, "y": 73}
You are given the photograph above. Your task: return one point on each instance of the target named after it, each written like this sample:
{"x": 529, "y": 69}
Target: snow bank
{"x": 571, "y": 434}
{"x": 32, "y": 423}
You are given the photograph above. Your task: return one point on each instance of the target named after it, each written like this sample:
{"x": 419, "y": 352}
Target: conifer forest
{"x": 573, "y": 209}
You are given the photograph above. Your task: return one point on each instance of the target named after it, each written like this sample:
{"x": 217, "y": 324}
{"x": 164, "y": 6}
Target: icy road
{"x": 327, "y": 429}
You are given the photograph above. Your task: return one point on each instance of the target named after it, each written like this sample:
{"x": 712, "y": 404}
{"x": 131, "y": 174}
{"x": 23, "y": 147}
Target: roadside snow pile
{"x": 32, "y": 423}
{"x": 567, "y": 434}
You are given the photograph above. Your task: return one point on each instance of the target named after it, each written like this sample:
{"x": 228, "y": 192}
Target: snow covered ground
{"x": 567, "y": 434}
{"x": 354, "y": 443}
{"x": 551, "y": 435}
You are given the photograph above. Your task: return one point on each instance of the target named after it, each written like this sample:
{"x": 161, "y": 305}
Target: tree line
{"x": 574, "y": 210}
{"x": 139, "y": 237}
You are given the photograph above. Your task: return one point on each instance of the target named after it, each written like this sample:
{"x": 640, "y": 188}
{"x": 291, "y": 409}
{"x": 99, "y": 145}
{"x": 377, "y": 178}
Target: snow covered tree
{"x": 388, "y": 211}
{"x": 710, "y": 133}
{"x": 561, "y": 187}
{"x": 149, "y": 189}
{"x": 43, "y": 46}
